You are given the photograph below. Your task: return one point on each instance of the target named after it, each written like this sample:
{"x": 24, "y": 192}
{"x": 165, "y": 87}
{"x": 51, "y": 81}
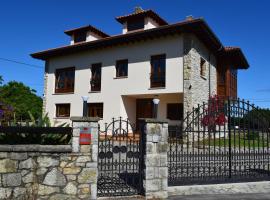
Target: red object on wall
{"x": 85, "y": 136}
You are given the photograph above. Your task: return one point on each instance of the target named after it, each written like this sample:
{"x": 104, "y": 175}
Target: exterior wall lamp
{"x": 156, "y": 102}
{"x": 85, "y": 99}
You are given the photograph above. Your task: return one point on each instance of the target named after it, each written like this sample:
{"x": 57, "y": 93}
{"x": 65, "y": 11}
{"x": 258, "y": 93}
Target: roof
{"x": 142, "y": 13}
{"x": 235, "y": 57}
{"x": 196, "y": 26}
{"x": 86, "y": 28}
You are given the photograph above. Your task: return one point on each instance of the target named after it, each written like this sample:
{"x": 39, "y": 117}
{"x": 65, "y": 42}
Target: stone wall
{"x": 156, "y": 165}
{"x": 50, "y": 172}
{"x": 197, "y": 88}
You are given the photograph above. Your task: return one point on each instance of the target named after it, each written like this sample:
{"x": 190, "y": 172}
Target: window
{"x": 203, "y": 67}
{"x": 96, "y": 77}
{"x": 80, "y": 37}
{"x": 158, "y": 69}
{"x": 64, "y": 80}
{"x": 135, "y": 24}
{"x": 175, "y": 111}
{"x": 95, "y": 110}
{"x": 63, "y": 110}
{"x": 122, "y": 68}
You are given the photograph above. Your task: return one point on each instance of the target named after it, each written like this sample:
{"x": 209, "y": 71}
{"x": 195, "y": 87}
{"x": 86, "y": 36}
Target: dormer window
{"x": 79, "y": 37}
{"x": 135, "y": 24}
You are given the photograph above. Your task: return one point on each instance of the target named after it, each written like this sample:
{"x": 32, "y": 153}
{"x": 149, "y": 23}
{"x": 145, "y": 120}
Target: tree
{"x": 1, "y": 80}
{"x": 22, "y": 99}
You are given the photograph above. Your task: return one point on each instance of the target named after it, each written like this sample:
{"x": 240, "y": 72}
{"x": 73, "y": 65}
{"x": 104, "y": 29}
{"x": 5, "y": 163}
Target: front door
{"x": 144, "y": 109}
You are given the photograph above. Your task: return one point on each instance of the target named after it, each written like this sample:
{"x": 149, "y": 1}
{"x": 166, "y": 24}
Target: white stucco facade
{"x": 119, "y": 95}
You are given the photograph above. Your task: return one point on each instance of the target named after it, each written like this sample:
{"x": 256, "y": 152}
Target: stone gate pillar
{"x": 156, "y": 166}
{"x": 91, "y": 168}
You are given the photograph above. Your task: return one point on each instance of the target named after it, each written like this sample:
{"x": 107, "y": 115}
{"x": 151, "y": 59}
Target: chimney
{"x": 189, "y": 18}
{"x": 138, "y": 9}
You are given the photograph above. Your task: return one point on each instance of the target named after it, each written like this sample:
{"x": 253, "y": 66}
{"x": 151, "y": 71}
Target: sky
{"x": 29, "y": 26}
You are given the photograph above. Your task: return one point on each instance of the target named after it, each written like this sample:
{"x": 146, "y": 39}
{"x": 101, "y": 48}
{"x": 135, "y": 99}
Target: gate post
{"x": 156, "y": 166}
{"x": 90, "y": 173}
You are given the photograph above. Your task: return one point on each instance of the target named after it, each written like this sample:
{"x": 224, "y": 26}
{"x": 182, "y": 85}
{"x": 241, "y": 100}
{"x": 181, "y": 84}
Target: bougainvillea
{"x": 6, "y": 112}
{"x": 214, "y": 113}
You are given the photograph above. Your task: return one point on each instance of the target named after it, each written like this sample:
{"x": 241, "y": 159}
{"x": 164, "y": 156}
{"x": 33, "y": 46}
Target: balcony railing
{"x": 95, "y": 84}
{"x": 157, "y": 80}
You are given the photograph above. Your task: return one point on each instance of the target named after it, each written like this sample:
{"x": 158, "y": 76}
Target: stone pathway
{"x": 261, "y": 196}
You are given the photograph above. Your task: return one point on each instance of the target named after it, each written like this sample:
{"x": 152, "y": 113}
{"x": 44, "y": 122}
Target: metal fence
{"x": 35, "y": 135}
{"x": 221, "y": 141}
{"x": 120, "y": 160}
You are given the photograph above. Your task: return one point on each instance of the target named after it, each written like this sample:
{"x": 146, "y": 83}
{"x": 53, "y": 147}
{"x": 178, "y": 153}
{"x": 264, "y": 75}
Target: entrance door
{"x": 144, "y": 109}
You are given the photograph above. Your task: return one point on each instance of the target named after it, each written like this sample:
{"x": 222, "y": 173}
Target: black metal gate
{"x": 221, "y": 141}
{"x": 120, "y": 160}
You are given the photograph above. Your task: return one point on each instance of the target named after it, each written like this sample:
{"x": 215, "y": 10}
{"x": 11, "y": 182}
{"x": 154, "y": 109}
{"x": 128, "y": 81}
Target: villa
{"x": 181, "y": 64}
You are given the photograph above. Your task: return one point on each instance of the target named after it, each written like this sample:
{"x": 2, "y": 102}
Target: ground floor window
{"x": 63, "y": 110}
{"x": 175, "y": 111}
{"x": 95, "y": 110}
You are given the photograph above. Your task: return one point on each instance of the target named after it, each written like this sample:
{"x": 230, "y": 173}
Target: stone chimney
{"x": 138, "y": 9}
{"x": 189, "y": 18}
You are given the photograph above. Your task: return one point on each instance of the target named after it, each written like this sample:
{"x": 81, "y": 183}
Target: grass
{"x": 251, "y": 140}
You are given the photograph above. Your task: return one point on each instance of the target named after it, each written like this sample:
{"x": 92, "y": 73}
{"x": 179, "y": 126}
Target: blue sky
{"x": 29, "y": 26}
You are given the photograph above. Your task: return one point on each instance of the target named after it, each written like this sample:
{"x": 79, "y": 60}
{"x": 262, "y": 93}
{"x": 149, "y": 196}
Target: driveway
{"x": 261, "y": 196}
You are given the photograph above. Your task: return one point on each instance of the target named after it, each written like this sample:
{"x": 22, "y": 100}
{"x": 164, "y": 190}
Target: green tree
{"x": 22, "y": 98}
{"x": 1, "y": 80}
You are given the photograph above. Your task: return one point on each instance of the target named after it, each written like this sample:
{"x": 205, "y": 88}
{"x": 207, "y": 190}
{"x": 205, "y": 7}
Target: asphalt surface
{"x": 261, "y": 196}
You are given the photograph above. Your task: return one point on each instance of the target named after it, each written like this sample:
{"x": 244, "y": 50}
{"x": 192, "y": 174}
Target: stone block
{"x": 76, "y": 132}
{"x": 19, "y": 192}
{"x": 83, "y": 159}
{"x": 3, "y": 154}
{"x": 47, "y": 190}
{"x": 62, "y": 197}
{"x": 94, "y": 153}
{"x": 8, "y": 166}
{"x": 41, "y": 171}
{"x": 162, "y": 147}
{"x": 91, "y": 165}
{"x": 88, "y": 175}
{"x": 71, "y": 170}
{"x": 157, "y": 195}
{"x": 163, "y": 160}
{"x": 5, "y": 193}
{"x": 30, "y": 163}
{"x": 12, "y": 179}
{"x": 18, "y": 156}
{"x": 29, "y": 178}
{"x": 55, "y": 178}
{"x": 70, "y": 189}
{"x": 163, "y": 172}
{"x": 93, "y": 191}
{"x": 71, "y": 177}
{"x": 152, "y": 160}
{"x": 75, "y": 144}
{"x": 149, "y": 173}
{"x": 47, "y": 161}
{"x": 153, "y": 185}
{"x": 85, "y": 148}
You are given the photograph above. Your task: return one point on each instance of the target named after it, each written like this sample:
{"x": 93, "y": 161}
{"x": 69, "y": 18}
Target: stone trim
{"x": 84, "y": 119}
{"x": 229, "y": 188}
{"x": 36, "y": 148}
{"x": 153, "y": 120}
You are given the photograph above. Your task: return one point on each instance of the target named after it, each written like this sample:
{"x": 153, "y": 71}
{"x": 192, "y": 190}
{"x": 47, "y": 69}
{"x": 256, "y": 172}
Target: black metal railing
{"x": 221, "y": 141}
{"x": 120, "y": 160}
{"x": 157, "y": 80}
{"x": 35, "y": 135}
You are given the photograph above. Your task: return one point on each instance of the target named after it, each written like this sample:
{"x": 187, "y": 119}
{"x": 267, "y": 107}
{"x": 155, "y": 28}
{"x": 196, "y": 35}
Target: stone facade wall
{"x": 156, "y": 171}
{"x": 39, "y": 175}
{"x": 48, "y": 172}
{"x": 197, "y": 88}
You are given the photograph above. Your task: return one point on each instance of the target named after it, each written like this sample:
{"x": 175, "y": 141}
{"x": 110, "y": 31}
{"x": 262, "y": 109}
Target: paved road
{"x": 261, "y": 196}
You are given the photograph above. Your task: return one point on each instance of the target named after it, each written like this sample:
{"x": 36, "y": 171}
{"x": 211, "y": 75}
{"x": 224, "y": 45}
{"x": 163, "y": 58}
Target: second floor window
{"x": 96, "y": 77}
{"x": 122, "y": 68}
{"x": 63, "y": 110}
{"x": 158, "y": 71}
{"x": 80, "y": 37}
{"x": 64, "y": 80}
{"x": 95, "y": 110}
{"x": 203, "y": 68}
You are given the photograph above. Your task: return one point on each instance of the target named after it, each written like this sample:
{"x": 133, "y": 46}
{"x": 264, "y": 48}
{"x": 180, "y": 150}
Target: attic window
{"x": 203, "y": 67}
{"x": 79, "y": 37}
{"x": 135, "y": 24}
